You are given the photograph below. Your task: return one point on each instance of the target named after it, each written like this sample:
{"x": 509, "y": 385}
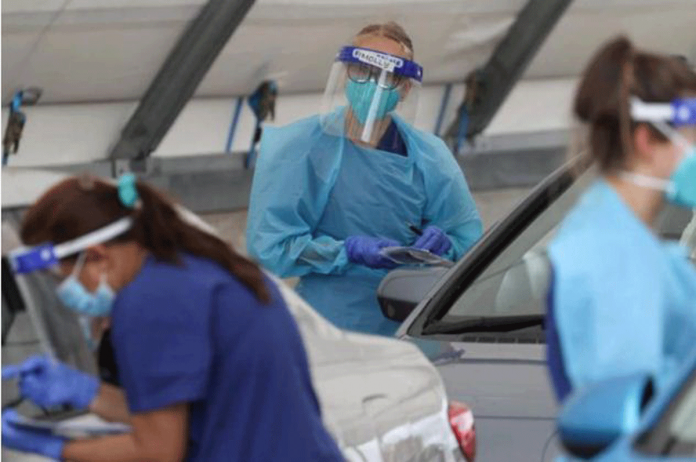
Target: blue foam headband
{"x": 385, "y": 61}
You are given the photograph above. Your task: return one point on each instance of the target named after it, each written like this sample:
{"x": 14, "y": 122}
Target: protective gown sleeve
{"x": 450, "y": 205}
{"x": 296, "y": 169}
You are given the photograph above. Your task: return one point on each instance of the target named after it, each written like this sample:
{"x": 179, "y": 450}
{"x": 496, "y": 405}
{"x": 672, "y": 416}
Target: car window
{"x": 516, "y": 282}
{"x": 688, "y": 238}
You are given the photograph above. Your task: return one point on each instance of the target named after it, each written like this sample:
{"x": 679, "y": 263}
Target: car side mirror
{"x": 593, "y": 417}
{"x": 403, "y": 289}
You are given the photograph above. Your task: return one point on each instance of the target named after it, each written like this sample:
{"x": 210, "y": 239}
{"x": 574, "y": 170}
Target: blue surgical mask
{"x": 682, "y": 190}
{"x": 360, "y": 96}
{"x": 74, "y": 295}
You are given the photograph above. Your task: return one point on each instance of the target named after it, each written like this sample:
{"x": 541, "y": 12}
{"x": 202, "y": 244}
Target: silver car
{"x": 483, "y": 320}
{"x": 381, "y": 398}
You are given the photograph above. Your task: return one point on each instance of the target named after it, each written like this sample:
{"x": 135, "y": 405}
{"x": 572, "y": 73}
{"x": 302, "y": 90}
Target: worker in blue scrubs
{"x": 623, "y": 301}
{"x": 210, "y": 359}
{"x": 331, "y": 191}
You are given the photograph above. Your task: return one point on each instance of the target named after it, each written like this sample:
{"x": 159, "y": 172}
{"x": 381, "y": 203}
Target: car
{"x": 482, "y": 321}
{"x": 381, "y": 398}
{"x": 627, "y": 419}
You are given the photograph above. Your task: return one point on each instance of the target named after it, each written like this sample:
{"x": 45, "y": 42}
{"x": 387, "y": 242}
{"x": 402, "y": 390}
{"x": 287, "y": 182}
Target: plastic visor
{"x": 45, "y": 256}
{"x": 366, "y": 88}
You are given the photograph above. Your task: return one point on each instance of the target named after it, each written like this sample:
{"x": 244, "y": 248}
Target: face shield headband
{"x": 680, "y": 188}
{"x": 44, "y": 256}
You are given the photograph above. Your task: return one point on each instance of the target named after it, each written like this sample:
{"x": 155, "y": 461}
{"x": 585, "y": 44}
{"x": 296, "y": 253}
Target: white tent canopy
{"x": 94, "y": 59}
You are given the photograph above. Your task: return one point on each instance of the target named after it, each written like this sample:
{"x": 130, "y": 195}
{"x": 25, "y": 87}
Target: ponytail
{"x": 166, "y": 233}
{"x": 602, "y": 103}
{"x": 77, "y": 206}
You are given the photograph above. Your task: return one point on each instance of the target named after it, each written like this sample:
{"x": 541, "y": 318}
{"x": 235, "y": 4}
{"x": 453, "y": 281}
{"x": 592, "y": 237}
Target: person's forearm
{"x": 110, "y": 404}
{"x": 121, "y": 448}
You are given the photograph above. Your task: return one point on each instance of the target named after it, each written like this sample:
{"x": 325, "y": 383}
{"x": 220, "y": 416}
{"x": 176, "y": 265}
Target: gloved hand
{"x": 51, "y": 384}
{"x": 434, "y": 240}
{"x": 25, "y": 440}
{"x": 364, "y": 250}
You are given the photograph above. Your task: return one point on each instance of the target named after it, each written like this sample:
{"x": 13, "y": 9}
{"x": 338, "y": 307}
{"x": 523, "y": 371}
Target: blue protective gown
{"x": 312, "y": 190}
{"x": 623, "y": 301}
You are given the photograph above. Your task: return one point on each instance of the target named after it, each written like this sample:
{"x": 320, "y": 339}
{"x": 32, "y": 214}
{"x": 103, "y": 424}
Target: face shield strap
{"x": 384, "y": 61}
{"x": 680, "y": 112}
{"x": 27, "y": 260}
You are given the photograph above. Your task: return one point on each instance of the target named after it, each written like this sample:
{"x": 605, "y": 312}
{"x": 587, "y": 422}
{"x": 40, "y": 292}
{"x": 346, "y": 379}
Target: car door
{"x": 483, "y": 323}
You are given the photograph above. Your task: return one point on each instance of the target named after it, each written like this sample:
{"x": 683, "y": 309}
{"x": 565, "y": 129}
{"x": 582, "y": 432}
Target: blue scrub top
{"x": 192, "y": 333}
{"x": 392, "y": 141}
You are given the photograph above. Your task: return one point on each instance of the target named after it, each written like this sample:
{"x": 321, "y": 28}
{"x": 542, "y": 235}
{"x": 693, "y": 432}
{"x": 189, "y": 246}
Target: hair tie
{"x": 127, "y": 192}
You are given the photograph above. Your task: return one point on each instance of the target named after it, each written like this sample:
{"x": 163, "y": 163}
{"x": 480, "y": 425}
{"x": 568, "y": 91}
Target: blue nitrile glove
{"x": 21, "y": 439}
{"x": 49, "y": 384}
{"x": 364, "y": 250}
{"x": 434, "y": 240}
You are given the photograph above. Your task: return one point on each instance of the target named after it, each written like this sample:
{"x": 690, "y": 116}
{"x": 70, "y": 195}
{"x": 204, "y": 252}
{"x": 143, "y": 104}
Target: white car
{"x": 381, "y": 398}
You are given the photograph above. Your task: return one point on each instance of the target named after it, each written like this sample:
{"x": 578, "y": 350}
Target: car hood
{"x": 380, "y": 397}
{"x": 496, "y": 380}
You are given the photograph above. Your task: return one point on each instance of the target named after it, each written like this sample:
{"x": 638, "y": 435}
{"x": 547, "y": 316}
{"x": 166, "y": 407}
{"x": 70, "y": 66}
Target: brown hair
{"x": 390, "y": 30}
{"x": 617, "y": 72}
{"x": 79, "y": 205}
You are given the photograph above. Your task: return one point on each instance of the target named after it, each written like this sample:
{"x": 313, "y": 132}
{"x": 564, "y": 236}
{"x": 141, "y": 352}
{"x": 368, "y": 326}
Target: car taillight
{"x": 462, "y": 422}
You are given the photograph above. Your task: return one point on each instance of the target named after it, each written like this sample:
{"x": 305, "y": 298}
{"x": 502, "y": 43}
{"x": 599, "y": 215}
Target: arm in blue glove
{"x": 434, "y": 240}
{"x": 450, "y": 205}
{"x": 292, "y": 183}
{"x": 24, "y": 440}
{"x": 364, "y": 250}
{"x": 49, "y": 383}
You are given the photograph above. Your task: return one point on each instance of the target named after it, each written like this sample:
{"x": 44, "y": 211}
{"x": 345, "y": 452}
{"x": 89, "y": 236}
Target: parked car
{"x": 624, "y": 419}
{"x": 381, "y": 398}
{"x": 482, "y": 321}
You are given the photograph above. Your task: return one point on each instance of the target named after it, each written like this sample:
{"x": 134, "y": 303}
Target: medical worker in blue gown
{"x": 622, "y": 300}
{"x": 210, "y": 360}
{"x": 332, "y": 190}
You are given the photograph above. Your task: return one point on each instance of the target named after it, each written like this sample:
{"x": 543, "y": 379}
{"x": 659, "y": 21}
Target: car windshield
{"x": 514, "y": 284}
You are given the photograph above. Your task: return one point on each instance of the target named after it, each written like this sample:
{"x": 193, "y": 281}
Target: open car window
{"x": 515, "y": 283}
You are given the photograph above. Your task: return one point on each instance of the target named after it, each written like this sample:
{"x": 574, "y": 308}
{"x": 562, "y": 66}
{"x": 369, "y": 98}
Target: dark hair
{"x": 79, "y": 205}
{"x": 617, "y": 72}
{"x": 390, "y": 30}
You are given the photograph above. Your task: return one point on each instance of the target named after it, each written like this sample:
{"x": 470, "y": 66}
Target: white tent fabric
{"x": 95, "y": 58}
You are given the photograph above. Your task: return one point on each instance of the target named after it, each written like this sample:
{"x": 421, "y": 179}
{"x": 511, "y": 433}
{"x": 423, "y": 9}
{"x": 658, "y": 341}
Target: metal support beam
{"x": 488, "y": 86}
{"x": 178, "y": 78}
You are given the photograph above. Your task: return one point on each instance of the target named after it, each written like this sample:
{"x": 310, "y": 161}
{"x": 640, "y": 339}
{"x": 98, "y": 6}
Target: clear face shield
{"x": 46, "y": 258}
{"x": 366, "y": 90}
{"x": 667, "y": 118}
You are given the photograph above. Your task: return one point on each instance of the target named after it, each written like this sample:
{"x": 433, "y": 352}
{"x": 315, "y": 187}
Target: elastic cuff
{"x": 88, "y": 393}
{"x": 54, "y": 449}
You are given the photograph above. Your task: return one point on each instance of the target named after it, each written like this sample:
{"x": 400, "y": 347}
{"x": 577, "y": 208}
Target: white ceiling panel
{"x": 660, "y": 25}
{"x": 102, "y": 50}
{"x": 105, "y": 50}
